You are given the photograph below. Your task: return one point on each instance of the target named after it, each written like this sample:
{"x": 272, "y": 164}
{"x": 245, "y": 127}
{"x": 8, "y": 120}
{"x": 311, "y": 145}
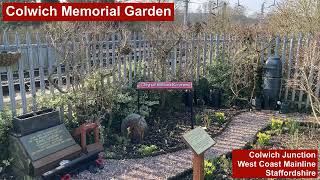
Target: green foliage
{"x": 220, "y": 118}
{"x": 209, "y": 169}
{"x": 263, "y": 139}
{"x": 276, "y": 124}
{"x": 218, "y": 168}
{"x": 207, "y": 119}
{"x": 198, "y": 119}
{"x": 147, "y": 150}
{"x": 219, "y": 74}
{"x": 5, "y": 127}
{"x": 292, "y": 126}
{"x": 202, "y": 90}
{"x": 122, "y": 140}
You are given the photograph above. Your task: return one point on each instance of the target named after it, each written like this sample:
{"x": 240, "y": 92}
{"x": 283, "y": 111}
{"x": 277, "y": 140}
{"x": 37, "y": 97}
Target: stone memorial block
{"x": 46, "y": 142}
{"x": 40, "y": 146}
{"x": 35, "y": 121}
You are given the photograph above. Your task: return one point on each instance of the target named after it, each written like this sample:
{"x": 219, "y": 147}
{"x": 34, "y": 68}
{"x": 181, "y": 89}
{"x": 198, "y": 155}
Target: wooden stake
{"x": 198, "y": 167}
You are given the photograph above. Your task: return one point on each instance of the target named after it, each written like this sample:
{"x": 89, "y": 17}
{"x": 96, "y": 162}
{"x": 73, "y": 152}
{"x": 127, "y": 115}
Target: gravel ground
{"x": 241, "y": 130}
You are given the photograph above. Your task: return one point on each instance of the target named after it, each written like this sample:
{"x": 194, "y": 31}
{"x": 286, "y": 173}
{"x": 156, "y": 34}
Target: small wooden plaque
{"x": 198, "y": 140}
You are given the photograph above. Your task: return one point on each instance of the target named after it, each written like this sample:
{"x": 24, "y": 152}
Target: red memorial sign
{"x": 164, "y": 85}
{"x": 87, "y": 11}
{"x": 275, "y": 164}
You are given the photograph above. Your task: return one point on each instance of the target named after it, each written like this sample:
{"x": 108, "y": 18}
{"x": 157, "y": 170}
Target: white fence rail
{"x": 22, "y": 83}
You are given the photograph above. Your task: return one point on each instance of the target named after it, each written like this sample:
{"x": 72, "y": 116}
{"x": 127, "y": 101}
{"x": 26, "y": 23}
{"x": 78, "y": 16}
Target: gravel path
{"x": 241, "y": 130}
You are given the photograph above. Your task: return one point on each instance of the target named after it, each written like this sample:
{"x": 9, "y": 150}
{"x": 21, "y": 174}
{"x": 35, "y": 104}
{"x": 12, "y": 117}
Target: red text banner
{"x": 88, "y": 11}
{"x": 275, "y": 164}
{"x": 164, "y": 85}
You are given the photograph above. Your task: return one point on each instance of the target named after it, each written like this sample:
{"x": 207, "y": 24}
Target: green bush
{"x": 147, "y": 150}
{"x": 219, "y": 116}
{"x": 202, "y": 90}
{"x": 198, "y": 119}
{"x": 276, "y": 124}
{"x": 5, "y": 127}
{"x": 263, "y": 139}
{"x": 219, "y": 78}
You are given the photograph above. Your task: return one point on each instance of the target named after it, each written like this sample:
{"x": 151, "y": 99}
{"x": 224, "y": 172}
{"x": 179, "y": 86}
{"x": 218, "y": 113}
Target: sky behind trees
{"x": 252, "y": 6}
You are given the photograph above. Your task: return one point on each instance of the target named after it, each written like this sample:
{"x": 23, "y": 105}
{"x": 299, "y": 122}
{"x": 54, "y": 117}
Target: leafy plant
{"x": 209, "y": 169}
{"x": 122, "y": 140}
{"x": 263, "y": 139}
{"x": 207, "y": 119}
{"x": 220, "y": 118}
{"x": 276, "y": 124}
{"x": 147, "y": 150}
{"x": 5, "y": 127}
{"x": 202, "y": 90}
{"x": 218, "y": 77}
{"x": 292, "y": 126}
{"x": 198, "y": 119}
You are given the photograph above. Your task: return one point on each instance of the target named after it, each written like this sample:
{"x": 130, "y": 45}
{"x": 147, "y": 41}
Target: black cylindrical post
{"x": 191, "y": 108}
{"x": 138, "y": 101}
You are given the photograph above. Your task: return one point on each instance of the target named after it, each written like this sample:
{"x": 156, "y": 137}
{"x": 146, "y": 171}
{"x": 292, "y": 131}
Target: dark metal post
{"x": 191, "y": 108}
{"x": 138, "y": 101}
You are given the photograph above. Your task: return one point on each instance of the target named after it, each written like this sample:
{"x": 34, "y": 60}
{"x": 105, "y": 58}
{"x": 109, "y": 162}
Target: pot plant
{"x": 9, "y": 58}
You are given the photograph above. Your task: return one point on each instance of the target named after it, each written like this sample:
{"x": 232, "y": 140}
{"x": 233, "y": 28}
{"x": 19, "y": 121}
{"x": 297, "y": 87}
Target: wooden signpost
{"x": 199, "y": 141}
{"x": 167, "y": 86}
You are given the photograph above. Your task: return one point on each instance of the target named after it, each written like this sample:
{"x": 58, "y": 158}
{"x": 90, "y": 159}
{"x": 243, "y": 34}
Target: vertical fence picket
{"x": 217, "y": 47}
{"x": 31, "y": 72}
{"x": 181, "y": 49}
{"x": 223, "y": 47}
{"x": 198, "y": 59}
{"x": 149, "y": 60}
{"x": 229, "y": 46}
{"x": 174, "y": 61}
{"x": 119, "y": 59}
{"x": 311, "y": 71}
{"x": 125, "y": 73}
{"x": 204, "y": 54}
{"x": 140, "y": 47}
{"x": 317, "y": 91}
{"x": 50, "y": 62}
{"x": 283, "y": 60}
{"x": 130, "y": 69}
{"x": 113, "y": 41}
{"x": 94, "y": 51}
{"x": 135, "y": 54}
{"x": 289, "y": 67}
{"x": 184, "y": 65}
{"x": 192, "y": 58}
{"x": 276, "y": 49}
{"x": 41, "y": 63}
{"x": 296, "y": 67}
{"x": 262, "y": 51}
{"x": 211, "y": 49}
{"x": 100, "y": 55}
{"x": 12, "y": 93}
{"x": 88, "y": 59}
{"x": 21, "y": 76}
{"x": 284, "y": 51}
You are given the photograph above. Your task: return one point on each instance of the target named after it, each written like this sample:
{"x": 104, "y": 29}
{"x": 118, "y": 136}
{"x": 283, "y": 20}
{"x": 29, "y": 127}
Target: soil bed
{"x": 165, "y": 133}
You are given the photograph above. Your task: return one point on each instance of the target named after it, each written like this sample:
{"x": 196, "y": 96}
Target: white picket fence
{"x": 22, "y": 83}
